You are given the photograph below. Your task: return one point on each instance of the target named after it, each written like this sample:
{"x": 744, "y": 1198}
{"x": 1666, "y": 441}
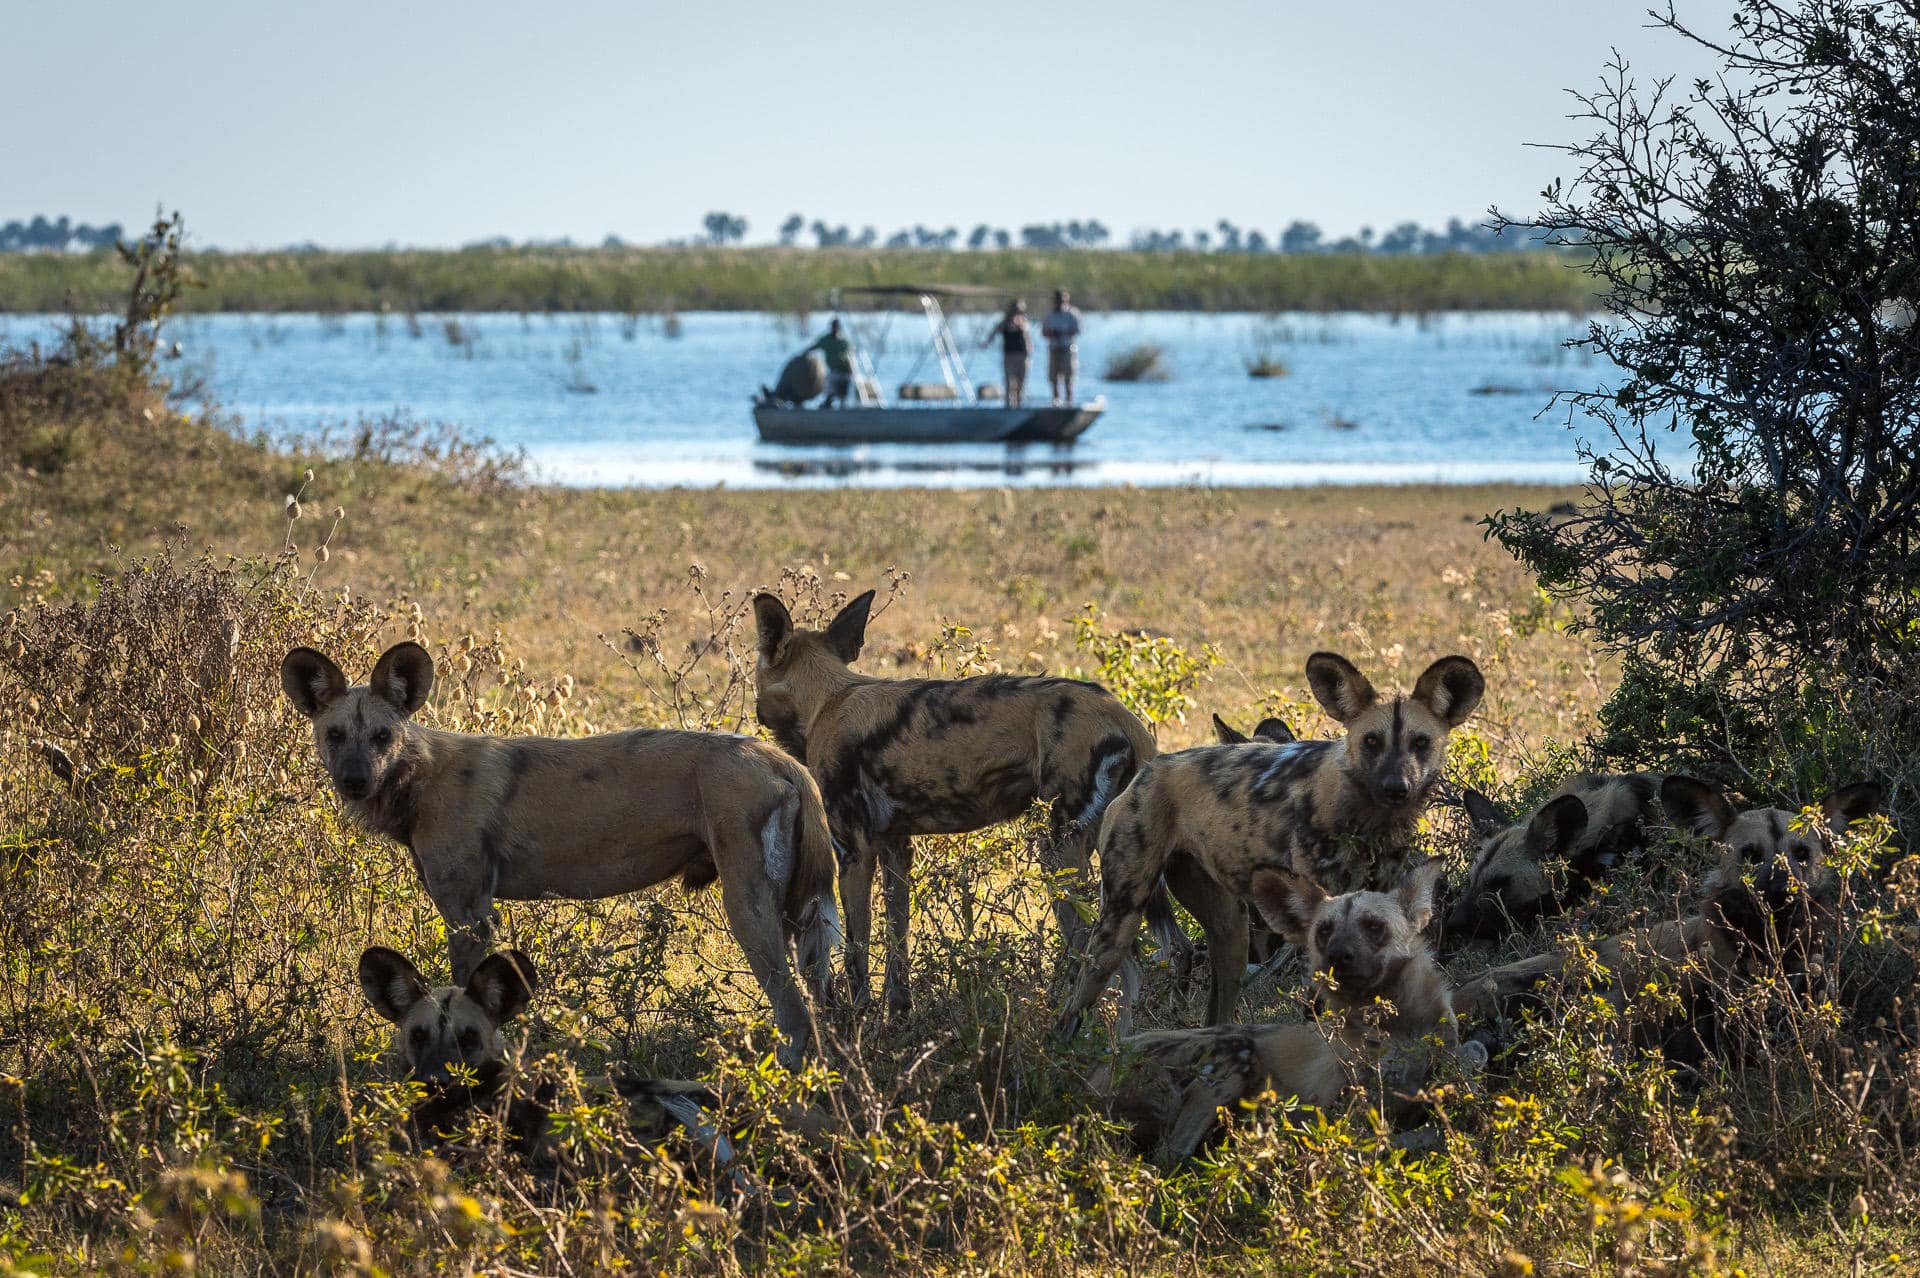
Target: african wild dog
{"x": 900, "y": 757}
{"x": 1763, "y": 910}
{"x": 1342, "y": 813}
{"x": 1589, "y": 821}
{"x": 522, "y": 818}
{"x": 450, "y": 1039}
{"x": 1367, "y": 948}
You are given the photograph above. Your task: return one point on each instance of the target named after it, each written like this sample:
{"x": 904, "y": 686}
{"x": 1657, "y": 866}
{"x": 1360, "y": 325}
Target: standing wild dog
{"x": 1589, "y": 821}
{"x": 900, "y": 757}
{"x": 520, "y": 818}
{"x": 1762, "y": 908}
{"x": 1263, "y": 943}
{"x": 1366, "y": 949}
{"x": 1342, "y": 813}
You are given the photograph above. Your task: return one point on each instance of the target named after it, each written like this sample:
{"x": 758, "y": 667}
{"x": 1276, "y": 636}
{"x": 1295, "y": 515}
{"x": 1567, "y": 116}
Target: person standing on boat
{"x": 837, "y": 350}
{"x": 1061, "y": 328}
{"x": 1016, "y": 345}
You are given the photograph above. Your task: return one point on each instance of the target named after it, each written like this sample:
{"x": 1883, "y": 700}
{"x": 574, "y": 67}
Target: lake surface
{"x": 604, "y": 399}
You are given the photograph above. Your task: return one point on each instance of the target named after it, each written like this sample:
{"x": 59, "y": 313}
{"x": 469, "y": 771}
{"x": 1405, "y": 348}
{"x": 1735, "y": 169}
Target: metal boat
{"x": 956, "y": 415}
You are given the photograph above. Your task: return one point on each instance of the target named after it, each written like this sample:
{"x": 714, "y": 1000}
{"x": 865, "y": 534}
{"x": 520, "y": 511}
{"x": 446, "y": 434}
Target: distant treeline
{"x": 58, "y": 235}
{"x": 656, "y": 280}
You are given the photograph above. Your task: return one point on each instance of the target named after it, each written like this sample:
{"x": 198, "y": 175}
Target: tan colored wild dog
{"x": 520, "y": 818}
{"x": 1590, "y": 821}
{"x": 1263, "y": 943}
{"x": 1762, "y": 906}
{"x": 900, "y": 757}
{"x": 1342, "y": 813}
{"x": 1367, "y": 950}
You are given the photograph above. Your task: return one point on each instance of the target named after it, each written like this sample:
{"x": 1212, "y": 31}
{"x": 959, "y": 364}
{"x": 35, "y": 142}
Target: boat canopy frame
{"x": 953, "y": 365}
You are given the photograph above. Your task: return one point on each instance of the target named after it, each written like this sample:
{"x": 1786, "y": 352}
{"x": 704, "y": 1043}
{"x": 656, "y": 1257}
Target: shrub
{"x": 1753, "y": 239}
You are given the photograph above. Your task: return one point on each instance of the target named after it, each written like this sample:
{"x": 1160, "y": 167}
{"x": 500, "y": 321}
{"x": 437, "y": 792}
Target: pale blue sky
{"x": 434, "y": 124}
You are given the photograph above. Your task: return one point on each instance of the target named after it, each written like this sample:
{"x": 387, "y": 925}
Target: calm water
{"x": 604, "y": 400}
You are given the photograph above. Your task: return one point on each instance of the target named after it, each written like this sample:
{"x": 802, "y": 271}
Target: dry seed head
{"x": 293, "y": 506}
{"x": 321, "y": 554}
{"x": 339, "y": 513}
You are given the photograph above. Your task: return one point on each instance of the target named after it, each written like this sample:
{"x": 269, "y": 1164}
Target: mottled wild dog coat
{"x": 1762, "y": 907}
{"x": 1263, "y": 943}
{"x": 1367, "y": 947}
{"x": 1342, "y": 813}
{"x": 900, "y": 757}
{"x": 522, "y": 818}
{"x": 1591, "y": 822}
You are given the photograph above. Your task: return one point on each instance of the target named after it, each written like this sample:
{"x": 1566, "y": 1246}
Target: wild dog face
{"x": 359, "y": 732}
{"x": 1786, "y": 855}
{"x": 793, "y": 675}
{"x": 1275, "y": 731}
{"x": 1365, "y": 941}
{"x": 1395, "y": 750}
{"x": 1511, "y": 883}
{"x": 437, "y": 1030}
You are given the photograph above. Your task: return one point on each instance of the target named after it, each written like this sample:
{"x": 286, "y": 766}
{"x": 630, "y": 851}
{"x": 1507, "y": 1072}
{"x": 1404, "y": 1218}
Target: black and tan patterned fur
{"x": 1342, "y": 813}
{"x": 1591, "y": 822}
{"x": 901, "y": 757}
{"x": 520, "y": 818}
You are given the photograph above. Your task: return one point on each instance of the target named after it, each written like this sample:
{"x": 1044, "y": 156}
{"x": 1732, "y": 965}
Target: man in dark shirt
{"x": 838, "y": 352}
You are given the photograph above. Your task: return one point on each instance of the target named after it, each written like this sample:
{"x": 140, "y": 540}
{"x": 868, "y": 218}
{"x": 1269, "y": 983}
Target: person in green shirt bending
{"x": 838, "y": 350}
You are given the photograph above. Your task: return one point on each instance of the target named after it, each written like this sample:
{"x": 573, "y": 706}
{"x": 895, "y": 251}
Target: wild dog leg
{"x": 754, "y": 915}
{"x": 1064, "y": 855}
{"x": 896, "y": 868}
{"x": 1175, "y": 947}
{"x": 1224, "y": 918}
{"x": 858, "y": 862}
{"x": 1120, "y": 918}
{"x": 460, "y": 891}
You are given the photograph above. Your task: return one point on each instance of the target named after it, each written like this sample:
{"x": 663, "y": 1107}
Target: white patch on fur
{"x": 777, "y": 846}
{"x": 1103, "y": 787}
{"x": 1282, "y": 753}
{"x": 687, "y": 1112}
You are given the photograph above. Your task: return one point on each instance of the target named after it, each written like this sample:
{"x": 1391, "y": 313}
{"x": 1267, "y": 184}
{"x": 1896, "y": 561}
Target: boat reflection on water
{"x": 1018, "y": 463}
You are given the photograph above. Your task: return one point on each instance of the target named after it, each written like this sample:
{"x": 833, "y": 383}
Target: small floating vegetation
{"x": 1145, "y": 362}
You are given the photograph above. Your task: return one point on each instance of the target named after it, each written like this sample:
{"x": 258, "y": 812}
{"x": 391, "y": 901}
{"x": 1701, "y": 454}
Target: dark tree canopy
{"x": 1757, "y": 240}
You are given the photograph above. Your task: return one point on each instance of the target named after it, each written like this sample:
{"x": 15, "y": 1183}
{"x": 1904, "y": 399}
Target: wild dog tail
{"x": 812, "y": 915}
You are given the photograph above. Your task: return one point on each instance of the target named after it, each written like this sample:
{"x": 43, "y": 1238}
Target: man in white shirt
{"x": 1061, "y": 328}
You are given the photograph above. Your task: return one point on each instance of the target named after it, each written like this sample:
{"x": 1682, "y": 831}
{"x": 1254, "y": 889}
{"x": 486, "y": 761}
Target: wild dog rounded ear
{"x": 1226, "y": 734}
{"x": 1451, "y": 687}
{"x": 503, "y": 984}
{"x": 403, "y": 677}
{"x": 1338, "y": 686}
{"x": 1554, "y": 827}
{"x": 847, "y": 633}
{"x": 391, "y": 982}
{"x": 1416, "y": 892}
{"x": 1274, "y": 730}
{"x": 1288, "y": 902}
{"x": 1485, "y": 816}
{"x": 311, "y": 680}
{"x": 774, "y": 624}
{"x": 1696, "y": 807}
{"x": 1852, "y": 803}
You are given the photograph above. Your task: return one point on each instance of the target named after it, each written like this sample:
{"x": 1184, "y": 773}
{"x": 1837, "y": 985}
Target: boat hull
{"x": 957, "y": 424}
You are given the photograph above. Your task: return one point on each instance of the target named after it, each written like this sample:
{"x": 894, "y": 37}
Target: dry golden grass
{"x": 190, "y": 1074}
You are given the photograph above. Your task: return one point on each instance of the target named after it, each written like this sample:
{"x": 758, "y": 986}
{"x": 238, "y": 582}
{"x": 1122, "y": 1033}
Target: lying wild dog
{"x": 1342, "y": 813}
{"x": 450, "y": 1041}
{"x": 1589, "y": 821}
{"x": 900, "y": 757}
{"x": 521, "y": 818}
{"x": 1387, "y": 1004}
{"x": 450, "y": 1038}
{"x": 1762, "y": 909}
